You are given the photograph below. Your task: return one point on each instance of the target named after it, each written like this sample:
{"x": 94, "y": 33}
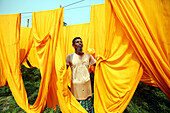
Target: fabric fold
{"x": 26, "y": 41}
{"x": 47, "y": 27}
{"x": 118, "y": 70}
{"x": 10, "y": 57}
{"x": 148, "y": 33}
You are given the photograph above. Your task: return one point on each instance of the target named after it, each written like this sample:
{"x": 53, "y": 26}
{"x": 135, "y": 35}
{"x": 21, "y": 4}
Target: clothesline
{"x": 64, "y": 9}
{"x": 67, "y": 6}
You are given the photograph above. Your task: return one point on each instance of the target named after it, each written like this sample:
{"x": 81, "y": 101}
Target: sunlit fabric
{"x": 27, "y": 48}
{"x": 72, "y": 31}
{"x": 9, "y": 49}
{"x": 118, "y": 70}
{"x": 96, "y": 41}
{"x": 147, "y": 25}
{"x": 97, "y": 29}
{"x": 10, "y": 57}
{"x": 128, "y": 38}
{"x": 32, "y": 57}
{"x": 26, "y": 41}
{"x": 147, "y": 79}
{"x": 47, "y": 28}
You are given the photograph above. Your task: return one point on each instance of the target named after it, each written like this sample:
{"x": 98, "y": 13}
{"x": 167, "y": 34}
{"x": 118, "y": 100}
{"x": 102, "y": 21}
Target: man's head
{"x": 77, "y": 44}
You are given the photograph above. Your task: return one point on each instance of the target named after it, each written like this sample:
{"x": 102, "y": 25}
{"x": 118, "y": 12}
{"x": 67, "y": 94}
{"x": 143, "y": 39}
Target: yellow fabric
{"x": 32, "y": 57}
{"x": 97, "y": 28}
{"x": 147, "y": 25}
{"x": 126, "y": 29}
{"x": 26, "y": 41}
{"x": 27, "y": 48}
{"x": 9, "y": 49}
{"x": 47, "y": 28}
{"x": 118, "y": 70}
{"x": 10, "y": 57}
{"x": 146, "y": 78}
{"x": 72, "y": 31}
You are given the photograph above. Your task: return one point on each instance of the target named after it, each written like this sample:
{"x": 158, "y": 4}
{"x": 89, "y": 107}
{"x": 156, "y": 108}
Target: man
{"x": 80, "y": 79}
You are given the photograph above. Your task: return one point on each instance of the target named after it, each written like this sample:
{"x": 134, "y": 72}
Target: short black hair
{"x": 75, "y": 39}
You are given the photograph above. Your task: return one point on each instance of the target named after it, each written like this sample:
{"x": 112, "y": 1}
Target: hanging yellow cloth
{"x": 32, "y": 57}
{"x": 147, "y": 79}
{"x": 26, "y": 41}
{"x": 72, "y": 31}
{"x": 97, "y": 29}
{"x": 118, "y": 70}
{"x": 27, "y": 48}
{"x": 9, "y": 49}
{"x": 10, "y": 57}
{"x": 47, "y": 28}
{"x": 147, "y": 25}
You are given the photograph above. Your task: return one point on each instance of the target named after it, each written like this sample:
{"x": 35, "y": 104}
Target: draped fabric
{"x": 32, "y": 57}
{"x": 147, "y": 79}
{"x": 97, "y": 32}
{"x": 147, "y": 25}
{"x": 27, "y": 47}
{"x": 47, "y": 29}
{"x": 26, "y": 41}
{"x": 10, "y": 57}
{"x": 118, "y": 70}
{"x": 130, "y": 41}
{"x": 72, "y": 31}
{"x": 9, "y": 50}
{"x": 97, "y": 29}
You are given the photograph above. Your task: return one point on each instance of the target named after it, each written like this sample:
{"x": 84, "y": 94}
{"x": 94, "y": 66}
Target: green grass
{"x": 147, "y": 99}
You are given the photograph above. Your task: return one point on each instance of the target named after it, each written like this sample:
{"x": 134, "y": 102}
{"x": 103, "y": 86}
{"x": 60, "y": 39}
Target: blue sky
{"x": 77, "y": 13}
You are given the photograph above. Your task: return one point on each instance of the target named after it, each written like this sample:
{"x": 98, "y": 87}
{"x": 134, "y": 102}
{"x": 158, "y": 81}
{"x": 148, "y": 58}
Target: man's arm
{"x": 67, "y": 61}
{"x": 92, "y": 60}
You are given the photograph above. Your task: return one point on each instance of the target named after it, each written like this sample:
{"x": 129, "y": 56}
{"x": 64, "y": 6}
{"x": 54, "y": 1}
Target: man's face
{"x": 78, "y": 45}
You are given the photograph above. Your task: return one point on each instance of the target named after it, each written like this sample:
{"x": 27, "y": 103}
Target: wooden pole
{"x": 27, "y": 22}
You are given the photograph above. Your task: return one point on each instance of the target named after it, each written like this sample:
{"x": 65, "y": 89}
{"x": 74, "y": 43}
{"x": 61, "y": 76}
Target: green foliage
{"x": 8, "y": 105}
{"x": 147, "y": 99}
{"x": 31, "y": 75}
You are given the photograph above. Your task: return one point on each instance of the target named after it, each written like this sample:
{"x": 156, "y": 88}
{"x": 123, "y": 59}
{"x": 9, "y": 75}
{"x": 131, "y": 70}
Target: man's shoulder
{"x": 87, "y": 54}
{"x": 70, "y": 55}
